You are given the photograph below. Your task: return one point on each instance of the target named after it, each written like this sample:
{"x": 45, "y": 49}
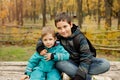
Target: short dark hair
{"x": 62, "y": 17}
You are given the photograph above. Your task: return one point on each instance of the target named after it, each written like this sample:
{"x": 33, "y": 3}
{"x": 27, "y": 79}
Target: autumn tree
{"x": 117, "y": 10}
{"x": 18, "y": 11}
{"x": 21, "y": 13}
{"x": 119, "y": 19}
{"x": 99, "y": 14}
{"x": 108, "y": 13}
{"x": 87, "y": 3}
{"x": 3, "y": 12}
{"x": 44, "y": 12}
{"x": 34, "y": 11}
{"x": 79, "y": 13}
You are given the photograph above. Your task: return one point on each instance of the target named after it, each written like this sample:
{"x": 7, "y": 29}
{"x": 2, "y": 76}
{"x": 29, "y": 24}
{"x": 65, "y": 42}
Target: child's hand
{"x": 24, "y": 77}
{"x": 48, "y": 56}
{"x": 43, "y": 52}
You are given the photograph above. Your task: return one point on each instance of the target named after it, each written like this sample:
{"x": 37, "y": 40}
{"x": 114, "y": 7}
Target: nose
{"x": 62, "y": 30}
{"x": 47, "y": 42}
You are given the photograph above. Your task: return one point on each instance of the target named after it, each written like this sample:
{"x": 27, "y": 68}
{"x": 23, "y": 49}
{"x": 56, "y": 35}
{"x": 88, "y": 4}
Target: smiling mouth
{"x": 63, "y": 33}
{"x": 48, "y": 45}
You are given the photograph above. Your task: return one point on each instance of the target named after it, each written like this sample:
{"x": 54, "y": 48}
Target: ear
{"x": 71, "y": 24}
{"x": 55, "y": 38}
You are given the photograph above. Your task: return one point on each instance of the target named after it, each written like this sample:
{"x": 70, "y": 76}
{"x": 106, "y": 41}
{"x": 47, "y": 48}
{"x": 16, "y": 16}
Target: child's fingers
{"x": 27, "y": 78}
{"x": 24, "y": 77}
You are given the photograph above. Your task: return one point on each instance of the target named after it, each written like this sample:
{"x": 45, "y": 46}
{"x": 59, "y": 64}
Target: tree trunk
{"x": 119, "y": 20}
{"x": 34, "y": 13}
{"x": 99, "y": 14}
{"x": 108, "y": 14}
{"x": 21, "y": 12}
{"x": 9, "y": 16}
{"x": 61, "y": 5}
{"x": 89, "y": 13}
{"x": 1, "y": 9}
{"x": 13, "y": 11}
{"x": 79, "y": 12}
{"x": 17, "y": 12}
{"x": 44, "y": 12}
{"x": 54, "y": 9}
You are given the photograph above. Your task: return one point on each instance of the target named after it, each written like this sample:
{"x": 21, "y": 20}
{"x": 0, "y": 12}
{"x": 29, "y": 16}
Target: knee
{"x": 105, "y": 65}
{"x": 60, "y": 64}
{"x": 37, "y": 75}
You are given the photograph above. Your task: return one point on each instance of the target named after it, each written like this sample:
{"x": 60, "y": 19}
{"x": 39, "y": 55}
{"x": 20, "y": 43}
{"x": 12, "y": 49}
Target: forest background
{"x": 21, "y": 22}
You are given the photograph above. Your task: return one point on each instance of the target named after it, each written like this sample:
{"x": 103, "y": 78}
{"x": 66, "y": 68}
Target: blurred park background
{"x": 21, "y": 22}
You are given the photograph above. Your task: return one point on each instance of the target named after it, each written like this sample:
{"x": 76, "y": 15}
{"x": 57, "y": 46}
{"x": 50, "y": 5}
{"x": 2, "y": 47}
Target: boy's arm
{"x": 43, "y": 52}
{"x": 85, "y": 55}
{"x": 85, "y": 52}
{"x": 40, "y": 46}
{"x": 61, "y": 54}
{"x": 33, "y": 62}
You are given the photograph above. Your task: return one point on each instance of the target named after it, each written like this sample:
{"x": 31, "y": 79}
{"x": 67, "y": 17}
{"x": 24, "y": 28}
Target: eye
{"x": 44, "y": 39}
{"x": 50, "y": 39}
{"x": 65, "y": 26}
{"x": 58, "y": 28}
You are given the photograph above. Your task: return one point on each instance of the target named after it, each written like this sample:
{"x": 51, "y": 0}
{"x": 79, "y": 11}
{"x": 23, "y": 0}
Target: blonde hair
{"x": 47, "y": 30}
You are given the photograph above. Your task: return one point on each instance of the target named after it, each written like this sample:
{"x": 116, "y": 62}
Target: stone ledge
{"x": 14, "y": 70}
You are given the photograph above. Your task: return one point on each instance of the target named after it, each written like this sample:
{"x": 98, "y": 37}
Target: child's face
{"x": 64, "y": 29}
{"x": 48, "y": 40}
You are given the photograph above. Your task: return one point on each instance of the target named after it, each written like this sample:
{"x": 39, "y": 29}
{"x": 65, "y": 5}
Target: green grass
{"x": 23, "y": 53}
{"x": 16, "y": 53}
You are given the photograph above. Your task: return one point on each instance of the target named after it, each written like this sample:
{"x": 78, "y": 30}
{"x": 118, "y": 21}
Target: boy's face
{"x": 48, "y": 40}
{"x": 64, "y": 29}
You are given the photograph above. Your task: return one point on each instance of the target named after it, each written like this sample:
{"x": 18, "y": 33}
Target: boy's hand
{"x": 24, "y": 77}
{"x": 48, "y": 56}
{"x": 43, "y": 52}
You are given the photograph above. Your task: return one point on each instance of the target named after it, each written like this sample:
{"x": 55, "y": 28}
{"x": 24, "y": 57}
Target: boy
{"x": 41, "y": 66}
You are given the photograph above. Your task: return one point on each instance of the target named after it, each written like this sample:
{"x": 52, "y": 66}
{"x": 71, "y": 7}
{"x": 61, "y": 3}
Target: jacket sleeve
{"x": 33, "y": 62}
{"x": 61, "y": 54}
{"x": 39, "y": 46}
{"x": 85, "y": 54}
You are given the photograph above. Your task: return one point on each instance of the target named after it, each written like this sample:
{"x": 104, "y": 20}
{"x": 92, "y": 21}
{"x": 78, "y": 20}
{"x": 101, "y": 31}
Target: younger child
{"x": 42, "y": 66}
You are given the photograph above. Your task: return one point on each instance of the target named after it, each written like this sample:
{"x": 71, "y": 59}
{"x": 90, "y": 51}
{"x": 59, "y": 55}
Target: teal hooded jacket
{"x": 38, "y": 61}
